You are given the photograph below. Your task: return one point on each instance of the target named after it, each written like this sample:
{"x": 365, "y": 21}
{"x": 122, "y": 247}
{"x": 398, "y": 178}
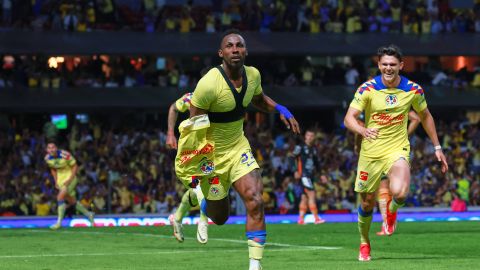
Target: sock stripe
{"x": 398, "y": 203}
{"x": 258, "y": 236}
{"x": 362, "y": 213}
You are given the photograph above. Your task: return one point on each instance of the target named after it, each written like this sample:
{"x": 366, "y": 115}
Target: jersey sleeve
{"x": 362, "y": 97}
{"x": 70, "y": 160}
{"x": 419, "y": 103}
{"x": 258, "y": 80}
{"x": 183, "y": 104}
{"x": 204, "y": 94}
{"x": 48, "y": 161}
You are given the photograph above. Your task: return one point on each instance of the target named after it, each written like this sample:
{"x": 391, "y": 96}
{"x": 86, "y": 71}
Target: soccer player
{"x": 306, "y": 161}
{"x": 224, "y": 93}
{"x": 192, "y": 197}
{"x": 383, "y": 194}
{"x": 386, "y": 100}
{"x": 63, "y": 168}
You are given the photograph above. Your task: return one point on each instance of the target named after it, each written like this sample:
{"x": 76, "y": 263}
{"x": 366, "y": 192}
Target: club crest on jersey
{"x": 363, "y": 176}
{"x": 391, "y": 100}
{"x": 206, "y": 166}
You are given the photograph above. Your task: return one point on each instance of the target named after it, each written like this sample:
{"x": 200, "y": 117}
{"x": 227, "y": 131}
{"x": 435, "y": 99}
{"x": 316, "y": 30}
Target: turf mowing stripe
{"x": 193, "y": 238}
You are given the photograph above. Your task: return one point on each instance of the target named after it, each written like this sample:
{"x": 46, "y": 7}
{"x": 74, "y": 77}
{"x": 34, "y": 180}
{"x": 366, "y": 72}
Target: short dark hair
{"x": 50, "y": 140}
{"x": 310, "y": 129}
{"x": 229, "y": 32}
{"x": 391, "y": 50}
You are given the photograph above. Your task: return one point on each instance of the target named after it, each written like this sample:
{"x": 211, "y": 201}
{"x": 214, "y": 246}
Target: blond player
{"x": 383, "y": 194}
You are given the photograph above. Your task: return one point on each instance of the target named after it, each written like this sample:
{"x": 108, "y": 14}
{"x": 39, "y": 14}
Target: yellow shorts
{"x": 229, "y": 167}
{"x": 371, "y": 171}
{"x": 71, "y": 189}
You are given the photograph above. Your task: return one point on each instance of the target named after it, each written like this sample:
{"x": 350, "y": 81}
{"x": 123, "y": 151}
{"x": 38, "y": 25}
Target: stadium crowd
{"x": 129, "y": 170}
{"x": 314, "y": 16}
{"x": 98, "y": 71}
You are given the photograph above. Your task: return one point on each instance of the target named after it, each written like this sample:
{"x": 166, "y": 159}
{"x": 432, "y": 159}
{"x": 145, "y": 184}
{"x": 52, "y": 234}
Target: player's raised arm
{"x": 429, "y": 125}
{"x": 265, "y": 103}
{"x": 352, "y": 124}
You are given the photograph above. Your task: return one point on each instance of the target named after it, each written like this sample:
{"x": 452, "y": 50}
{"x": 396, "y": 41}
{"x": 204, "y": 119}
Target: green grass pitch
{"x": 429, "y": 245}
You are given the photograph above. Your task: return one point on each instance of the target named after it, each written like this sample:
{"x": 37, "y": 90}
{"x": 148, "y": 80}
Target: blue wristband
{"x": 284, "y": 111}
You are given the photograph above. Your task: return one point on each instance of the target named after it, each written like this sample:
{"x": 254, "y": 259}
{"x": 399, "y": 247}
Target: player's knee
{"x": 368, "y": 205}
{"x": 218, "y": 211}
{"x": 402, "y": 196}
{"x": 219, "y": 220}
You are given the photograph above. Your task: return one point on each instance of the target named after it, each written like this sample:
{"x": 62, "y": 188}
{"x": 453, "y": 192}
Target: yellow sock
{"x": 256, "y": 243}
{"x": 61, "y": 211}
{"x": 394, "y": 205}
{"x": 81, "y": 209}
{"x": 364, "y": 222}
{"x": 188, "y": 198}
{"x": 255, "y": 250}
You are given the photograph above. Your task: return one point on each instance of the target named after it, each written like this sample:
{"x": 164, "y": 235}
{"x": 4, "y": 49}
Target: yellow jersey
{"x": 63, "y": 163}
{"x": 214, "y": 95}
{"x": 386, "y": 109}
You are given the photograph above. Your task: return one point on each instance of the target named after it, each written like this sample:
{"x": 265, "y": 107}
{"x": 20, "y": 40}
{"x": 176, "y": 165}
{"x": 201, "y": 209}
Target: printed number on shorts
{"x": 307, "y": 182}
{"x": 247, "y": 158}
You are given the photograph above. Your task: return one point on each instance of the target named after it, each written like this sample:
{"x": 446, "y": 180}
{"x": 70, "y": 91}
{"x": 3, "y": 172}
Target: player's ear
{"x": 401, "y": 65}
{"x": 220, "y": 53}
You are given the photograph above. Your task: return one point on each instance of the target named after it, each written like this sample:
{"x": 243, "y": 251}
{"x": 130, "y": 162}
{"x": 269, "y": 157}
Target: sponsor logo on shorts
{"x": 206, "y": 166}
{"x": 214, "y": 180}
{"x": 363, "y": 176}
{"x": 391, "y": 100}
{"x": 360, "y": 185}
{"x": 188, "y": 154}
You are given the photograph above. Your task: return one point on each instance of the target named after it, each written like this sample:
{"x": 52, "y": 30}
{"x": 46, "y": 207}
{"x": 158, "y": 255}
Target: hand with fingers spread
{"x": 287, "y": 118}
{"x": 370, "y": 134}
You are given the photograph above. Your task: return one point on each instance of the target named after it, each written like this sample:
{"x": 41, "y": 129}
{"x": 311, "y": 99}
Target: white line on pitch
{"x": 193, "y": 238}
